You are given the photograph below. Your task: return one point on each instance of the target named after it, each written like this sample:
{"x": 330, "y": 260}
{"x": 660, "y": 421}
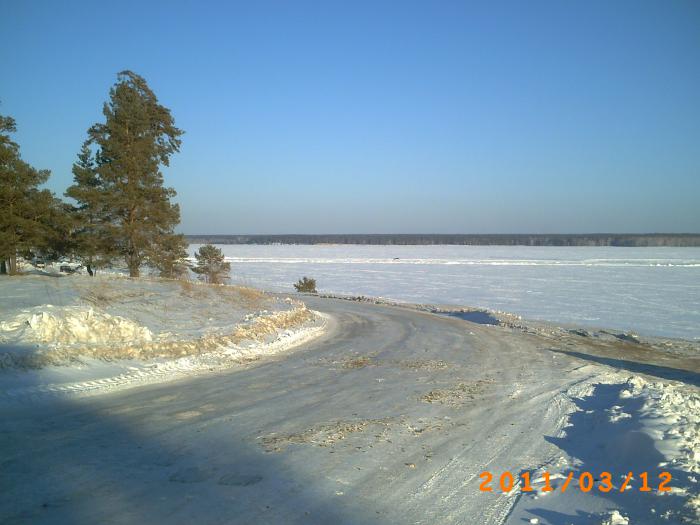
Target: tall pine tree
{"x": 91, "y": 216}
{"x": 26, "y": 212}
{"x": 123, "y": 206}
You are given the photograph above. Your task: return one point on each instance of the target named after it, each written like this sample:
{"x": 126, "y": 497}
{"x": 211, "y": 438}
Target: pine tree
{"x": 122, "y": 201}
{"x": 26, "y": 212}
{"x": 169, "y": 257}
{"x": 211, "y": 265}
{"x": 59, "y": 225}
{"x": 92, "y": 218}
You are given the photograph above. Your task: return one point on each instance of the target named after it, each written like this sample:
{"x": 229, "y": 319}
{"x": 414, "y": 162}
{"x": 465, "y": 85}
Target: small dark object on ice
{"x": 630, "y": 338}
{"x": 577, "y": 331}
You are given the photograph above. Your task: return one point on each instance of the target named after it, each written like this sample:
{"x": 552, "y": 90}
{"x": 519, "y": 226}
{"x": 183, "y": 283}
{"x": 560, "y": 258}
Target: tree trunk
{"x": 12, "y": 265}
{"x": 89, "y": 270}
{"x": 3, "y": 267}
{"x": 133, "y": 264}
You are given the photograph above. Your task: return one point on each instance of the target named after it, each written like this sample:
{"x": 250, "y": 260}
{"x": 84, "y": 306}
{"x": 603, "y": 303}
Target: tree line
{"x": 524, "y": 239}
{"x": 118, "y": 206}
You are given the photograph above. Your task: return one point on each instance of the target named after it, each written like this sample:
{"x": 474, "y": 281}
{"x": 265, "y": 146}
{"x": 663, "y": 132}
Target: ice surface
{"x": 652, "y": 291}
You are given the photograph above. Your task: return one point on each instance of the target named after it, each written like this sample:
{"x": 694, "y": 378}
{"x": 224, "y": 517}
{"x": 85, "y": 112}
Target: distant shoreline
{"x": 594, "y": 239}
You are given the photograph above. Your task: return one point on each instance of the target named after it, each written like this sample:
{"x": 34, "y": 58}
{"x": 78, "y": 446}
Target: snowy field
{"x": 651, "y": 291}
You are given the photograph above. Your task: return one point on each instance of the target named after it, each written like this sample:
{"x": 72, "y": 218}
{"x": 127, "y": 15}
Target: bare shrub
{"x": 306, "y": 285}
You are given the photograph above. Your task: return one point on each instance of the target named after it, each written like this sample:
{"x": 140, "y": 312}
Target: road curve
{"x": 388, "y": 418}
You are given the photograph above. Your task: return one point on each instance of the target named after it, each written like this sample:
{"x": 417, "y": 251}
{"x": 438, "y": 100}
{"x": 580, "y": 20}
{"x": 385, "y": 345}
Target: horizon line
{"x": 437, "y": 234}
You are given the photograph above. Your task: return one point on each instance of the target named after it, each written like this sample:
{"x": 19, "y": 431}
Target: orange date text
{"x": 583, "y": 481}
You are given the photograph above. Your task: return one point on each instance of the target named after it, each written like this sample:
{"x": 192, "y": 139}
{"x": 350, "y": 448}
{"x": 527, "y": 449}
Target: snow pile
{"x": 56, "y": 322}
{"x": 110, "y": 376}
{"x": 79, "y": 334}
{"x": 62, "y": 335}
{"x": 671, "y": 414}
{"x": 69, "y": 325}
{"x": 620, "y": 423}
{"x": 258, "y": 328}
{"x": 616, "y": 518}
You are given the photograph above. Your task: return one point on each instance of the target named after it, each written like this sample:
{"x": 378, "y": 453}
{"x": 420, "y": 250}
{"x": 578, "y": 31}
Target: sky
{"x": 383, "y": 117}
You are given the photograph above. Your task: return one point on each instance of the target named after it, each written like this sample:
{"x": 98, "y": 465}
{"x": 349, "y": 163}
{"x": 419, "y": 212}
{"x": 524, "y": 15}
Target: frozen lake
{"x": 653, "y": 291}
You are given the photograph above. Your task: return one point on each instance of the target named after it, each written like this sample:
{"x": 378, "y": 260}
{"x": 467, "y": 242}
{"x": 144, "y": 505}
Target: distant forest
{"x": 595, "y": 239}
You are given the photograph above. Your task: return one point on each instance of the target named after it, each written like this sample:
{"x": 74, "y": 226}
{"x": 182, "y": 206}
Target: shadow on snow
{"x": 662, "y": 372}
{"x": 603, "y": 445}
{"x": 146, "y": 459}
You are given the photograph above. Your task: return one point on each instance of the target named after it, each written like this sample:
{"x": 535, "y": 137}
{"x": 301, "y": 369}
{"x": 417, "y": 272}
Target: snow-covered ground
{"x": 413, "y": 407}
{"x": 77, "y": 334}
{"x": 390, "y": 417}
{"x": 652, "y": 291}
{"x": 620, "y": 424}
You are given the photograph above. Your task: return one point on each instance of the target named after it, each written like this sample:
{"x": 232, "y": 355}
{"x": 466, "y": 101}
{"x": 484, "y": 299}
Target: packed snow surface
{"x": 652, "y": 291}
{"x": 391, "y": 417}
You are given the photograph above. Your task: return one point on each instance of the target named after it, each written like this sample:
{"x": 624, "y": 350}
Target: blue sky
{"x": 381, "y": 117}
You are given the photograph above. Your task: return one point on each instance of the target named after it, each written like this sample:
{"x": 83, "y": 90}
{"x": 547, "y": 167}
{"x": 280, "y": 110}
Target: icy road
{"x": 390, "y": 417}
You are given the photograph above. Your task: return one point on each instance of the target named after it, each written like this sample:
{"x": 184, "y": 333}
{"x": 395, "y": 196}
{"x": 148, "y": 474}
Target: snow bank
{"x": 59, "y": 321}
{"x": 616, "y": 518}
{"x": 671, "y": 415}
{"x": 78, "y": 334}
{"x": 59, "y": 336}
{"x": 72, "y": 325}
{"x": 32, "y": 384}
{"x": 621, "y": 423}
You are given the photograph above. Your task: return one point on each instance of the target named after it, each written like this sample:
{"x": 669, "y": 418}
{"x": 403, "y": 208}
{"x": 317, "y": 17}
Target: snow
{"x": 395, "y": 412}
{"x": 168, "y": 309}
{"x": 651, "y": 291}
{"x": 616, "y": 518}
{"x": 76, "y": 334}
{"x": 622, "y": 424}
{"x": 94, "y": 376}
{"x": 70, "y": 325}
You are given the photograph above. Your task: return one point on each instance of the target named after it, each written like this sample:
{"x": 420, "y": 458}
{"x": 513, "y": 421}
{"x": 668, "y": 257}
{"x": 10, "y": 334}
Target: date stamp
{"x": 584, "y": 481}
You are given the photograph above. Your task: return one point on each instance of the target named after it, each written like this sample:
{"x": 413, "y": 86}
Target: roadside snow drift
{"x": 620, "y": 425}
{"x": 117, "y": 330}
{"x": 71, "y": 325}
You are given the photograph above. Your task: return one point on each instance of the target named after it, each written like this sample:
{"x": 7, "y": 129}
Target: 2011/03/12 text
{"x": 587, "y": 481}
